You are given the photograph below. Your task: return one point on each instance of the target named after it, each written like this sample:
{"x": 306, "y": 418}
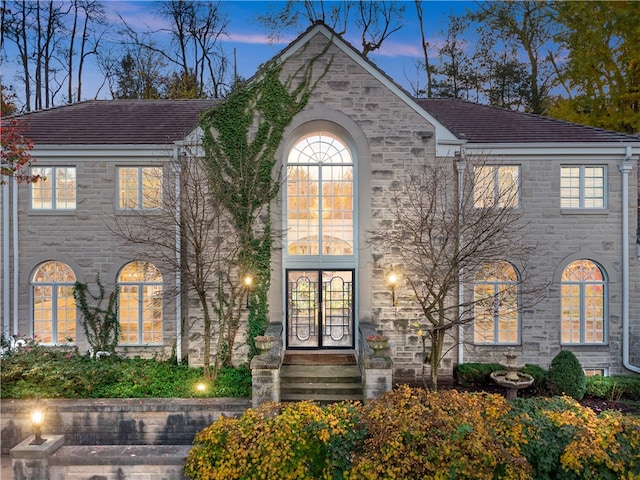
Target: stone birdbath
{"x": 510, "y": 378}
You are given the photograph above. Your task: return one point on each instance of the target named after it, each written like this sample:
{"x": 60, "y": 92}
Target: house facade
{"x": 345, "y": 156}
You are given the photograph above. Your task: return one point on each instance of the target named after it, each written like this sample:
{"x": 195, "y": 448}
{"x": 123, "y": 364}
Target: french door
{"x": 320, "y": 309}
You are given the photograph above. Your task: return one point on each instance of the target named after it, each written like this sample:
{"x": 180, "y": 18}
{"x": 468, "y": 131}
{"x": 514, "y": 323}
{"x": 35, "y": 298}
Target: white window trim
{"x": 581, "y": 198}
{"x": 54, "y": 187}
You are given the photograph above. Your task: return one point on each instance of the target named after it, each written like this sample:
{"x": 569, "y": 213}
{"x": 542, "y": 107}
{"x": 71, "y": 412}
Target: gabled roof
{"x": 115, "y": 122}
{"x": 486, "y": 124}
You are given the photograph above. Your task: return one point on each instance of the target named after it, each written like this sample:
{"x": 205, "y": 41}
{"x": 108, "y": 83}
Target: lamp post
{"x": 37, "y": 419}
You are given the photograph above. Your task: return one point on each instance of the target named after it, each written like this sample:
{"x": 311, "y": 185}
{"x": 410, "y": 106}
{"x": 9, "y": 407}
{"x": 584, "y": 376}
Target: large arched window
{"x": 140, "y": 303}
{"x": 583, "y": 302}
{"x": 54, "y": 308}
{"x": 320, "y": 197}
{"x": 496, "y": 307}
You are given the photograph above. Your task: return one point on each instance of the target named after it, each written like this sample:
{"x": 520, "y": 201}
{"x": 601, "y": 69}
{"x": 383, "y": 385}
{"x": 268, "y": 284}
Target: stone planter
{"x": 264, "y": 343}
{"x": 378, "y": 344}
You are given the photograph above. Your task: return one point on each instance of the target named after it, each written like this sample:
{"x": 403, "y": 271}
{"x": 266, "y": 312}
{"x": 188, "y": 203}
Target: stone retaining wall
{"x": 155, "y": 421}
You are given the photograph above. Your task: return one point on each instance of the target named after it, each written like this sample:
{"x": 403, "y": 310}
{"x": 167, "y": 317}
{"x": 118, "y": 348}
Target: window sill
{"x": 48, "y": 213}
{"x": 584, "y": 211}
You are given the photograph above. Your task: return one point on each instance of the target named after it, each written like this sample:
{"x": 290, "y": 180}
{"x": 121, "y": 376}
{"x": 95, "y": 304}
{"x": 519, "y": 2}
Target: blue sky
{"x": 248, "y": 37}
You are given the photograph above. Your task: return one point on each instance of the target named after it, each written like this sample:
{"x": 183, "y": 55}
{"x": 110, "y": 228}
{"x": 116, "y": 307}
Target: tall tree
{"x": 195, "y": 30}
{"x": 456, "y": 78}
{"x": 602, "y": 74}
{"x": 375, "y": 21}
{"x": 529, "y": 27}
{"x": 87, "y": 15}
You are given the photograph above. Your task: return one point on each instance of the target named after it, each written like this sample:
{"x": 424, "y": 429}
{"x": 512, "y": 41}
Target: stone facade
{"x": 388, "y": 133}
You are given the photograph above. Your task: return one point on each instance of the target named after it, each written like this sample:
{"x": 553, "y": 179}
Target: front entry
{"x": 320, "y": 309}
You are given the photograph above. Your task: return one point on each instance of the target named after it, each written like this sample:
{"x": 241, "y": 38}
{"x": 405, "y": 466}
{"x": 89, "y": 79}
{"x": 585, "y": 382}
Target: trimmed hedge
{"x": 566, "y": 376}
{"x": 414, "y": 433}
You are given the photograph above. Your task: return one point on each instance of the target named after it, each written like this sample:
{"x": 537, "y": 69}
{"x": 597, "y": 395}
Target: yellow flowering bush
{"x": 415, "y": 433}
{"x": 563, "y": 440}
{"x": 290, "y": 441}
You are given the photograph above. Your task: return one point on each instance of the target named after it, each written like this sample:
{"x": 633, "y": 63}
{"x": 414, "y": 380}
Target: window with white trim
{"x": 140, "y": 304}
{"x": 497, "y": 185}
{"x": 320, "y": 218}
{"x": 583, "y": 303}
{"x": 53, "y": 305}
{"x": 140, "y": 188}
{"x": 55, "y": 190}
{"x": 583, "y": 186}
{"x": 496, "y": 304}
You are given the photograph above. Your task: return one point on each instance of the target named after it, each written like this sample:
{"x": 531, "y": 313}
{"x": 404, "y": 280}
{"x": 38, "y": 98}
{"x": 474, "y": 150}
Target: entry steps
{"x": 321, "y": 383}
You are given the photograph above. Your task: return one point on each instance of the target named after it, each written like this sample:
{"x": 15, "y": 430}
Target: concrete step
{"x": 321, "y": 383}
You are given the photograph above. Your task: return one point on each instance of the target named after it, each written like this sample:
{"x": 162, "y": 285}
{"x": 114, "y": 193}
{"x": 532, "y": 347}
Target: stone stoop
{"x": 320, "y": 383}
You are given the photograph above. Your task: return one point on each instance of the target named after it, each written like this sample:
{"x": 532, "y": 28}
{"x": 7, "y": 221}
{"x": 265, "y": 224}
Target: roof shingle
{"x": 115, "y": 122}
{"x": 486, "y": 124}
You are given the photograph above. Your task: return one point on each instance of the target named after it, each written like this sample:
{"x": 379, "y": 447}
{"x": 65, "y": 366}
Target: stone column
{"x": 265, "y": 371}
{"x": 31, "y": 462}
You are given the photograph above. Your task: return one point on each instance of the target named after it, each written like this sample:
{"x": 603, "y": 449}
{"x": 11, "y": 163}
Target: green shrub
{"x": 614, "y": 388}
{"x": 64, "y": 373}
{"x": 540, "y": 376}
{"x": 566, "y": 376}
{"x": 475, "y": 374}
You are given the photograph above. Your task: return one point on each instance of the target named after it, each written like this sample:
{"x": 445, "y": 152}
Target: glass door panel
{"x": 320, "y": 309}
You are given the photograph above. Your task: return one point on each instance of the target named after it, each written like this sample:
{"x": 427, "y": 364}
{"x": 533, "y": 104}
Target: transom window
{"x": 54, "y": 308}
{"x": 496, "y": 307}
{"x": 582, "y": 186}
{"x": 140, "y": 303}
{"x": 55, "y": 190}
{"x": 140, "y": 188}
{"x": 583, "y": 303}
{"x": 497, "y": 186}
{"x": 320, "y": 197}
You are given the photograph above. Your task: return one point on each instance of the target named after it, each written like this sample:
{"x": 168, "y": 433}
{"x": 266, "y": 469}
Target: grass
{"x": 63, "y": 373}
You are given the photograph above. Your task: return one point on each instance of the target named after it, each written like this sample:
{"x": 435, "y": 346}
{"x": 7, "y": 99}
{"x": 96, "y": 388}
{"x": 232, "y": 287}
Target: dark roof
{"x": 485, "y": 124}
{"x": 115, "y": 122}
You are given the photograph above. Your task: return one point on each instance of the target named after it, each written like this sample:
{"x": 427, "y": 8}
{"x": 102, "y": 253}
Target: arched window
{"x": 583, "y": 302}
{"x": 54, "y": 308}
{"x": 496, "y": 307}
{"x": 140, "y": 303}
{"x": 320, "y": 197}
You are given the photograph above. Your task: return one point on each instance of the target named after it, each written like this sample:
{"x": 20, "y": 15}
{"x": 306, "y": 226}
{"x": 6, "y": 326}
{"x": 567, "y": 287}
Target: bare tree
{"x": 443, "y": 231}
{"x": 375, "y": 21}
{"x": 196, "y": 28}
{"x": 89, "y": 13}
{"x": 206, "y": 254}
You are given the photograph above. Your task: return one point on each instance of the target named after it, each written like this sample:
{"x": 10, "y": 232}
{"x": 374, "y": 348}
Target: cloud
{"x": 257, "y": 38}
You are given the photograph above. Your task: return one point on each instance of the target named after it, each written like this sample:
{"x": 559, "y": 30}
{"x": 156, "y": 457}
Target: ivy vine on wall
{"x": 241, "y": 138}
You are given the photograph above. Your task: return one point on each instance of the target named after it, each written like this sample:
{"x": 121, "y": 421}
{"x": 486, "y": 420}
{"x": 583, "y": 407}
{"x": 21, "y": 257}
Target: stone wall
{"x": 117, "y": 421}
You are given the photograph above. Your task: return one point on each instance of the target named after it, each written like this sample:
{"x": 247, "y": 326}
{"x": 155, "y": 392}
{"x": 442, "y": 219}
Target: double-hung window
{"x": 497, "y": 186}
{"x": 496, "y": 304}
{"x": 140, "y": 188}
{"x": 55, "y": 190}
{"x": 583, "y": 186}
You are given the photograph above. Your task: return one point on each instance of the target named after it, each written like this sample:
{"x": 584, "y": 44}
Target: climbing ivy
{"x": 101, "y": 325}
{"x": 241, "y": 137}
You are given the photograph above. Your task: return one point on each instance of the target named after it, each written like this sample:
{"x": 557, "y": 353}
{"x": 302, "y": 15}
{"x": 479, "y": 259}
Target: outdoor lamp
{"x": 37, "y": 419}
{"x": 248, "y": 281}
{"x": 392, "y": 281}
